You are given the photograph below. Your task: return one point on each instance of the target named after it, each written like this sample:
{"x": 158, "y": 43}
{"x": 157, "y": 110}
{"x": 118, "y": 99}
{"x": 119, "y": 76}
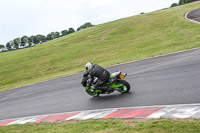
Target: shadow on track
{"x": 112, "y": 97}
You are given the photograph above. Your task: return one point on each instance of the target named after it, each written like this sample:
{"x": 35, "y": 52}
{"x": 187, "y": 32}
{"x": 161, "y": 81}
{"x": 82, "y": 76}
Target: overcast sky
{"x": 32, "y": 17}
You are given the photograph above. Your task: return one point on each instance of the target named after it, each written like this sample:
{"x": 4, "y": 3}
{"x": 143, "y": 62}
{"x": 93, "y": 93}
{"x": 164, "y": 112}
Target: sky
{"x": 32, "y": 17}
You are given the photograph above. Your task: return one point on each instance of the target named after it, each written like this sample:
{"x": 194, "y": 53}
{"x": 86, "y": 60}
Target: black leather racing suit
{"x": 102, "y": 74}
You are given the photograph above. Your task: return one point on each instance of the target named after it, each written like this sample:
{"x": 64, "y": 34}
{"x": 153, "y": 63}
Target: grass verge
{"x": 108, "y": 126}
{"x": 123, "y": 40}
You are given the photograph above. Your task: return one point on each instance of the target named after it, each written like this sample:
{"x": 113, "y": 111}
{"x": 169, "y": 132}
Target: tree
{"x": 41, "y": 38}
{"x": 12, "y": 44}
{"x": 64, "y": 32}
{"x": 53, "y": 35}
{"x": 71, "y": 30}
{"x": 188, "y": 1}
{"x": 181, "y": 2}
{"x": 35, "y": 40}
{"x": 24, "y": 41}
{"x": 174, "y": 4}
{"x": 17, "y": 42}
{"x": 50, "y": 36}
{"x": 8, "y": 46}
{"x": 2, "y": 46}
{"x": 30, "y": 41}
{"x": 86, "y": 25}
{"x": 56, "y": 35}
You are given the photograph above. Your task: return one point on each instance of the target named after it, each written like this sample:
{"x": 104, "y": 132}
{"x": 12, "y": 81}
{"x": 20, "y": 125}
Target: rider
{"x": 97, "y": 71}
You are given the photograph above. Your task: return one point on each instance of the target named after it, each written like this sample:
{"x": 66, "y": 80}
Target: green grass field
{"x": 108, "y": 126}
{"x": 123, "y": 40}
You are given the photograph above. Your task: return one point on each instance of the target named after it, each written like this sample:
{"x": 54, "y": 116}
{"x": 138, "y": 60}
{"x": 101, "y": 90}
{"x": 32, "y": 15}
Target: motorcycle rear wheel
{"x": 126, "y": 87}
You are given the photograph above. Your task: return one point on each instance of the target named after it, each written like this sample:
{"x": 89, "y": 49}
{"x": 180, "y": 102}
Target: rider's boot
{"x": 104, "y": 89}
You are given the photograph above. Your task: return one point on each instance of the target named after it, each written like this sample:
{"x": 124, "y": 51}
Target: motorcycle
{"x": 115, "y": 83}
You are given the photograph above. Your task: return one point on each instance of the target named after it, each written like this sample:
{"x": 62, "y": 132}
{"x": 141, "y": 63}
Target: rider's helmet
{"x": 88, "y": 66}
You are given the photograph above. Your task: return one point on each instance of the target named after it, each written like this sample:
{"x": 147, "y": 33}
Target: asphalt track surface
{"x": 164, "y": 80}
{"x": 194, "y": 15}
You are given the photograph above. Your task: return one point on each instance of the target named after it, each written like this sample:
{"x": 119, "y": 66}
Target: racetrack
{"x": 164, "y": 80}
{"x": 193, "y": 15}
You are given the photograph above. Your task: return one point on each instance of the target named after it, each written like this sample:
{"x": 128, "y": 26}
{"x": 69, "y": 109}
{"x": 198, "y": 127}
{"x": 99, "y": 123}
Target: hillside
{"x": 123, "y": 40}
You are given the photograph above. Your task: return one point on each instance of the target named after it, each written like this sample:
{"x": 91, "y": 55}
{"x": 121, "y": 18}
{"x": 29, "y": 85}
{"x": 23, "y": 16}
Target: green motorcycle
{"x": 116, "y": 82}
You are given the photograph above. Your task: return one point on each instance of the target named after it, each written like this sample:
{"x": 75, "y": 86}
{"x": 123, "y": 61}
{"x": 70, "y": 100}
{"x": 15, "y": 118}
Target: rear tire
{"x": 126, "y": 87}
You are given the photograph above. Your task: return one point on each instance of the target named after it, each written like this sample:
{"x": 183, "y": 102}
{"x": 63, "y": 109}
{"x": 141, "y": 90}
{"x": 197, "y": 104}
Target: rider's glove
{"x": 85, "y": 74}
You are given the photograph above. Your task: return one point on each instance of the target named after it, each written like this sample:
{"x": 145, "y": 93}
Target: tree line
{"x": 26, "y": 41}
{"x": 181, "y": 2}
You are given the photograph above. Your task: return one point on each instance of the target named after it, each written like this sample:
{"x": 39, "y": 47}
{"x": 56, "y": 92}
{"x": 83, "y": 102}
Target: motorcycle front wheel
{"x": 94, "y": 94}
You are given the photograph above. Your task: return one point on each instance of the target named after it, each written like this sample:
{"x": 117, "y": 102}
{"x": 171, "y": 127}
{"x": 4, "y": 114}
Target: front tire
{"x": 126, "y": 87}
{"x": 94, "y": 94}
